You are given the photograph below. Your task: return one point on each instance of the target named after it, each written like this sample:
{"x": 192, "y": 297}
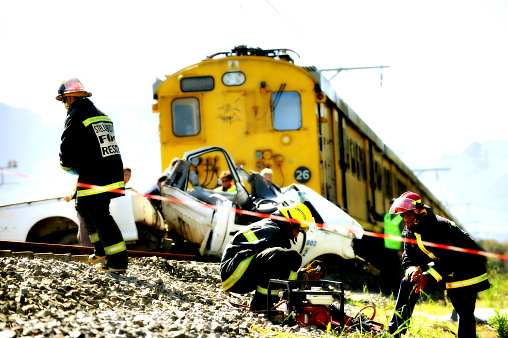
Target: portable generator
{"x": 310, "y": 307}
{"x": 314, "y": 307}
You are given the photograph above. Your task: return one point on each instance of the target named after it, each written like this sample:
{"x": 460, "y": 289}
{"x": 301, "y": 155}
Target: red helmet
{"x": 406, "y": 202}
{"x": 72, "y": 87}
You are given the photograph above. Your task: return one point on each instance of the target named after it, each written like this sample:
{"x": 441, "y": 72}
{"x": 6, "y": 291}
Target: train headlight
{"x": 267, "y": 154}
{"x": 285, "y": 139}
{"x": 233, "y": 78}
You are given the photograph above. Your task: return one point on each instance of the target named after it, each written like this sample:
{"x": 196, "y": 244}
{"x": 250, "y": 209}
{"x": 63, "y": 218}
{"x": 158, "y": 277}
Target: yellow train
{"x": 269, "y": 113}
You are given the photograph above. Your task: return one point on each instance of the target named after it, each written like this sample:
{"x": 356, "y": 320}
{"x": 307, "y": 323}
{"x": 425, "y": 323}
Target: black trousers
{"x": 391, "y": 271}
{"x": 273, "y": 263}
{"x": 94, "y": 210}
{"x": 463, "y": 301}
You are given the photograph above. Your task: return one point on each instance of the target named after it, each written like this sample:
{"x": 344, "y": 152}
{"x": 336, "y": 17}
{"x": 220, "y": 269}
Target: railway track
{"x": 8, "y": 248}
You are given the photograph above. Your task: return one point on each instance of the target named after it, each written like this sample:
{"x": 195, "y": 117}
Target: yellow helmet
{"x": 299, "y": 212}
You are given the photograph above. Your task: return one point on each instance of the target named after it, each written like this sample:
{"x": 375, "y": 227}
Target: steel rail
{"x": 83, "y": 250}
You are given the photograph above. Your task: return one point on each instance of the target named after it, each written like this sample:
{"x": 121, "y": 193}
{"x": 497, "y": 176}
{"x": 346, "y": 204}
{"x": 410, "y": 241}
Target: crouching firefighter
{"x": 463, "y": 273}
{"x": 259, "y": 253}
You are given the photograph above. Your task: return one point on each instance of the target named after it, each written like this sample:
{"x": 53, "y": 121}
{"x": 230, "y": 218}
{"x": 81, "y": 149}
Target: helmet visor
{"x": 402, "y": 205}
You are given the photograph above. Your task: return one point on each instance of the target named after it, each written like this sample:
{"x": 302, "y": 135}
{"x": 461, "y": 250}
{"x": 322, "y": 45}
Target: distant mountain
{"x": 25, "y": 139}
{"x": 475, "y": 189}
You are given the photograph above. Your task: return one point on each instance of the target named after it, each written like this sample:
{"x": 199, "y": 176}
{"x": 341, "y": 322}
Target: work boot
{"x": 96, "y": 259}
{"x": 258, "y": 302}
{"x": 106, "y": 268}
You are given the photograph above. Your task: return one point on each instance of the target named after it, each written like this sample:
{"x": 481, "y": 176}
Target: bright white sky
{"x": 445, "y": 88}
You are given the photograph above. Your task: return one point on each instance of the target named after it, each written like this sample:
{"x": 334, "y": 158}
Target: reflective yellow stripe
{"x": 115, "y": 248}
{"x": 265, "y": 291}
{"x": 237, "y": 274}
{"x": 293, "y": 275}
{"x": 98, "y": 190}
{"x": 94, "y": 119}
{"x": 240, "y": 269}
{"x": 250, "y": 235}
{"x": 422, "y": 247}
{"x": 435, "y": 274}
{"x": 410, "y": 270}
{"x": 94, "y": 237}
{"x": 467, "y": 282}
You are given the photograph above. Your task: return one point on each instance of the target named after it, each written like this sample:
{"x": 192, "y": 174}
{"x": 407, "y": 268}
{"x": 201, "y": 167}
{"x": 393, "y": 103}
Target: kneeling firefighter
{"x": 258, "y": 254}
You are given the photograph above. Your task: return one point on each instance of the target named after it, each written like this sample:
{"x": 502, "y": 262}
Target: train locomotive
{"x": 269, "y": 112}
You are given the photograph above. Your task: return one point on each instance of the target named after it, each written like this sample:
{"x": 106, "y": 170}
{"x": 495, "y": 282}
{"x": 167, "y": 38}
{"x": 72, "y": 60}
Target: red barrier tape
{"x": 257, "y": 214}
{"x": 261, "y": 215}
{"x": 437, "y": 245}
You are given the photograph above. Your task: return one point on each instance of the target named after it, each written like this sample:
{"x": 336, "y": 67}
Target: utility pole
{"x": 338, "y": 70}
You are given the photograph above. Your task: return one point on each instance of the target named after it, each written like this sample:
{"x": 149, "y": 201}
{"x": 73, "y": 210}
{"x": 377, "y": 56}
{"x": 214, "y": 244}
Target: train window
{"x": 360, "y": 160}
{"x": 286, "y": 110}
{"x": 346, "y": 150}
{"x": 388, "y": 183}
{"x": 377, "y": 175}
{"x": 185, "y": 116}
{"x": 364, "y": 164}
{"x": 401, "y": 187}
{"x": 353, "y": 156}
{"x": 197, "y": 84}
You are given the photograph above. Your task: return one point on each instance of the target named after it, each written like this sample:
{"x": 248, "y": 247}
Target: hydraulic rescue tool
{"x": 315, "y": 307}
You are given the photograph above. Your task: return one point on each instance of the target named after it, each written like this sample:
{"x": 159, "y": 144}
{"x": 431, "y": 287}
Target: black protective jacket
{"x": 456, "y": 269}
{"x": 89, "y": 149}
{"x": 261, "y": 235}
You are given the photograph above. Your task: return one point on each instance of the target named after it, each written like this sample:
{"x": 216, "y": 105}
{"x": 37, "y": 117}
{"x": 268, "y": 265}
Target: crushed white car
{"x": 210, "y": 218}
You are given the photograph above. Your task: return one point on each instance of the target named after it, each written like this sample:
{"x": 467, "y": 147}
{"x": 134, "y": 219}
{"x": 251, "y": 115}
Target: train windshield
{"x": 286, "y": 110}
{"x": 185, "y": 116}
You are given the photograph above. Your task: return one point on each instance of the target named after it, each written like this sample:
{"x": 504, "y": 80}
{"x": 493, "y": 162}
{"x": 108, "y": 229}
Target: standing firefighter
{"x": 89, "y": 150}
{"x": 258, "y": 254}
{"x": 465, "y": 274}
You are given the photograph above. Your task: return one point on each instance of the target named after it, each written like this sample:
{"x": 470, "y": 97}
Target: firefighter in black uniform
{"x": 464, "y": 274}
{"x": 257, "y": 254}
{"x": 89, "y": 150}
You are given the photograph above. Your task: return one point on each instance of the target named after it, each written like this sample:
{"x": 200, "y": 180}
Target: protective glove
{"x": 313, "y": 271}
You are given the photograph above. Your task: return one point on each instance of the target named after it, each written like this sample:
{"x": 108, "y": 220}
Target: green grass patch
{"x": 425, "y": 322}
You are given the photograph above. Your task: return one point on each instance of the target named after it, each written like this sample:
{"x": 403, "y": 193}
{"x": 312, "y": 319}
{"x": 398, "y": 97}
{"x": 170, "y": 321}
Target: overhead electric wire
{"x": 283, "y": 18}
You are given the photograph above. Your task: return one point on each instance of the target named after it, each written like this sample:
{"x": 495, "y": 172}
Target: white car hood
{"x": 334, "y": 218}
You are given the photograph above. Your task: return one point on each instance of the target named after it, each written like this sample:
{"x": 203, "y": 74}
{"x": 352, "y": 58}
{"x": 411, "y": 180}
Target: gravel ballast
{"x": 155, "y": 298}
